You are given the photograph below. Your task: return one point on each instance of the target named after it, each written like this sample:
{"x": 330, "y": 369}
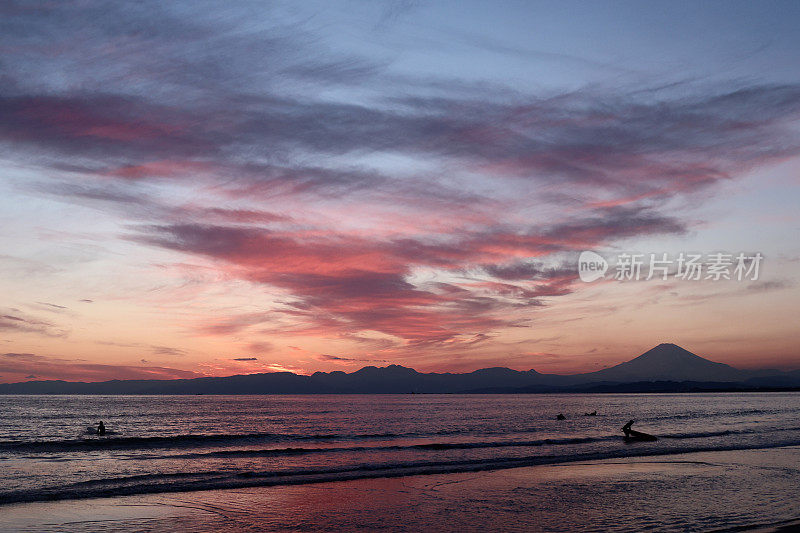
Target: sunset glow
{"x": 196, "y": 191}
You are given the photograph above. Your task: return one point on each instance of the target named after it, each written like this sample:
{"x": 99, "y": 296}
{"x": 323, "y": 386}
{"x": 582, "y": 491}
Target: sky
{"x": 205, "y": 189}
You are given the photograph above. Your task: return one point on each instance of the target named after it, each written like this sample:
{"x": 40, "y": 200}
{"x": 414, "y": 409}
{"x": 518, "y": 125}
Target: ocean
{"x": 168, "y": 444}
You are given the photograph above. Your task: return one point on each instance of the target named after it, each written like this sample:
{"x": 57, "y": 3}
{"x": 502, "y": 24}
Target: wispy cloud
{"x": 388, "y": 209}
{"x": 18, "y": 365}
{"x": 15, "y": 321}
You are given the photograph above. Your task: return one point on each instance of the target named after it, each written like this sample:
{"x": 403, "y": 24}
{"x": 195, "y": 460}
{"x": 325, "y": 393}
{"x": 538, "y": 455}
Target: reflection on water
{"x": 691, "y": 492}
{"x": 178, "y": 443}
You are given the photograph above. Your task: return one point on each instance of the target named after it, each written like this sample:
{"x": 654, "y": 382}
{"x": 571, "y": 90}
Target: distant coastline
{"x": 618, "y": 388}
{"x": 667, "y": 368}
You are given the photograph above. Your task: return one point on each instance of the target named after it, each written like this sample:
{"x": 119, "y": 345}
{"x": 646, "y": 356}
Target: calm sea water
{"x": 177, "y": 443}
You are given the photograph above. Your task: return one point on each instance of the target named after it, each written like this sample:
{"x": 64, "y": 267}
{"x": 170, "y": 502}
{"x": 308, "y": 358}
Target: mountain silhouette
{"x": 667, "y": 367}
{"x": 668, "y": 362}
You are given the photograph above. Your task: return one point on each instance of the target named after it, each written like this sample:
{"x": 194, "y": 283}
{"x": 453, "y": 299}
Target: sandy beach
{"x": 742, "y": 490}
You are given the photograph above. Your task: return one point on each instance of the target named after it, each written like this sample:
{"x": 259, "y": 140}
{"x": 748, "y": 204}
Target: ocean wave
{"x": 727, "y": 414}
{"x": 723, "y": 433}
{"x": 439, "y": 446}
{"x": 206, "y": 440}
{"x": 188, "y": 441}
{"x": 214, "y": 480}
{"x": 431, "y": 446}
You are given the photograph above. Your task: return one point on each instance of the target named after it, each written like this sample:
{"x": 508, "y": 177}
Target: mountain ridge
{"x": 665, "y": 363}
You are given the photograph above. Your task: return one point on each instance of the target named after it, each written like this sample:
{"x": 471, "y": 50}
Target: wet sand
{"x": 753, "y": 489}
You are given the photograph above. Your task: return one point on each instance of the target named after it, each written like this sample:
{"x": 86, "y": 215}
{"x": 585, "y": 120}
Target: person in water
{"x": 101, "y": 428}
{"x": 632, "y": 434}
{"x": 627, "y": 428}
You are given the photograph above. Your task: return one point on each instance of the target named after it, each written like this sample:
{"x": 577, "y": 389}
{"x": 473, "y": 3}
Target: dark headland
{"x": 665, "y": 368}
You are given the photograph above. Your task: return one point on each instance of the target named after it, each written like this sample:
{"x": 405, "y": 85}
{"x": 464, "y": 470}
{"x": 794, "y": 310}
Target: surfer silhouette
{"x": 627, "y": 428}
{"x": 561, "y": 417}
{"x": 631, "y": 435}
{"x": 101, "y": 428}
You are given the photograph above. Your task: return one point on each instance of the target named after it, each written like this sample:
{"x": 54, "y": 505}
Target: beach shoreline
{"x": 654, "y": 492}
